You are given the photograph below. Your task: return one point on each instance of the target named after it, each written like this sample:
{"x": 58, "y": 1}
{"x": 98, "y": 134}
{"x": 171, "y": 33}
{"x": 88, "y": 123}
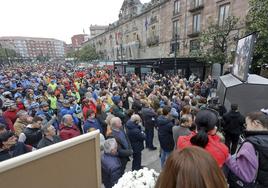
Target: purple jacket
{"x": 245, "y": 163}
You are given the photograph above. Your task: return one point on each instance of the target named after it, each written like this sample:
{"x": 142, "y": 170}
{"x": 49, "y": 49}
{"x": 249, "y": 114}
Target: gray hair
{"x": 114, "y": 121}
{"x": 65, "y": 117}
{"x": 109, "y": 145}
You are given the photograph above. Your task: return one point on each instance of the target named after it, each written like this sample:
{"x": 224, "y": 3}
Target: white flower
{"x": 143, "y": 178}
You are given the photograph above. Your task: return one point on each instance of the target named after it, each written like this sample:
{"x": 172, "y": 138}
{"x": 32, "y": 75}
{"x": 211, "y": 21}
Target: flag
{"x": 146, "y": 23}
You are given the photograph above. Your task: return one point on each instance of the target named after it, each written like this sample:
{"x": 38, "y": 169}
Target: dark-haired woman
{"x": 205, "y": 136}
{"x": 191, "y": 167}
{"x": 251, "y": 161}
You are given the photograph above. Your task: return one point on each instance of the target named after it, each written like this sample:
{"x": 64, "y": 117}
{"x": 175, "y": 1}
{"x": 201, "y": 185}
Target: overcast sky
{"x": 58, "y": 19}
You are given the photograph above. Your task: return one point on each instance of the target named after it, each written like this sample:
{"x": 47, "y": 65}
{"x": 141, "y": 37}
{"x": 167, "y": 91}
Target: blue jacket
{"x": 136, "y": 136}
{"x": 165, "y": 133}
{"x": 92, "y": 123}
{"x": 110, "y": 170}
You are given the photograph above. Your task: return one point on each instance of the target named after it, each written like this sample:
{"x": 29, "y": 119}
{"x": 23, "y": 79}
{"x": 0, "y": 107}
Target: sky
{"x": 59, "y": 19}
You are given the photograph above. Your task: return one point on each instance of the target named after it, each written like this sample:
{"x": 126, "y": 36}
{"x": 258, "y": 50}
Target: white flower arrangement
{"x": 143, "y": 178}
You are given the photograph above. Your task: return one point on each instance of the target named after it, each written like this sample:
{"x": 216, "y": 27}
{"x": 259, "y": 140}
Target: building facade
{"x": 31, "y": 48}
{"x": 148, "y": 31}
{"x": 77, "y": 40}
{"x": 96, "y": 30}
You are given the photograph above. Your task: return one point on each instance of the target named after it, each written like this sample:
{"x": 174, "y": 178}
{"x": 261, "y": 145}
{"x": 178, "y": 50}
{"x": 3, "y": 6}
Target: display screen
{"x": 243, "y": 57}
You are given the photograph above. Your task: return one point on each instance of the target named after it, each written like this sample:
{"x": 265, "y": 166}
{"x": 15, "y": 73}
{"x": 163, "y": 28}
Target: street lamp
{"x": 175, "y": 54}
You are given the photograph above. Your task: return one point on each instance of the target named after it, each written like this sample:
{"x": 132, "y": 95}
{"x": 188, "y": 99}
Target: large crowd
{"x": 201, "y": 144}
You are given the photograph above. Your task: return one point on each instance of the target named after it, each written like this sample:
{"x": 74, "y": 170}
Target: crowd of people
{"x": 43, "y": 104}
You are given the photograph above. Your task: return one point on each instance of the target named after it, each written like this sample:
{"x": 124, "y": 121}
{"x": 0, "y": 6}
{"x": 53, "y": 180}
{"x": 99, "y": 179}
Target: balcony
{"x": 153, "y": 41}
{"x": 196, "y": 5}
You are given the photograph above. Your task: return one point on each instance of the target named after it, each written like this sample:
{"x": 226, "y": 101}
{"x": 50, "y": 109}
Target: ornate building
{"x": 148, "y": 31}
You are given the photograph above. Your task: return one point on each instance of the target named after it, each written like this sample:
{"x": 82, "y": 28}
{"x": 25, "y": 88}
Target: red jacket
{"x": 12, "y": 115}
{"x": 215, "y": 147}
{"x": 85, "y": 109}
{"x": 68, "y": 132}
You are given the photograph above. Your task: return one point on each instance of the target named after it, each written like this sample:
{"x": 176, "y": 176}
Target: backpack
{"x": 235, "y": 182}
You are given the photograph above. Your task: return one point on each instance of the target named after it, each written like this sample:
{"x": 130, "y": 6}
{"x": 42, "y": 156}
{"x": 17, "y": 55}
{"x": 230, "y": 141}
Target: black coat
{"x": 165, "y": 134}
{"x": 149, "y": 117}
{"x": 233, "y": 122}
{"x": 136, "y": 136}
{"x": 47, "y": 142}
{"x": 33, "y": 136}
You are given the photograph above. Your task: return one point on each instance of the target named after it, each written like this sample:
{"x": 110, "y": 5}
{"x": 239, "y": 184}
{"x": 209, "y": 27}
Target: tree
{"x": 88, "y": 53}
{"x": 73, "y": 54}
{"x": 6, "y": 54}
{"x": 257, "y": 20}
{"x": 214, "y": 42}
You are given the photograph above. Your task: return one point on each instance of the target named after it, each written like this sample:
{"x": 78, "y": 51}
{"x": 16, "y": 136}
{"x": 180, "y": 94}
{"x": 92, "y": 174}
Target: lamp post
{"x": 175, "y": 54}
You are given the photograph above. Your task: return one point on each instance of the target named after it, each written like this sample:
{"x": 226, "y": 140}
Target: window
{"x": 197, "y": 3}
{"x": 194, "y": 45}
{"x": 174, "y": 46}
{"x": 176, "y": 29}
{"x": 196, "y": 23}
{"x": 177, "y": 6}
{"x": 223, "y": 13}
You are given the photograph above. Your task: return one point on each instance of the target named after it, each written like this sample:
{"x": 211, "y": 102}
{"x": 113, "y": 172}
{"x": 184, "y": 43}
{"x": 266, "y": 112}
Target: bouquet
{"x": 143, "y": 178}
